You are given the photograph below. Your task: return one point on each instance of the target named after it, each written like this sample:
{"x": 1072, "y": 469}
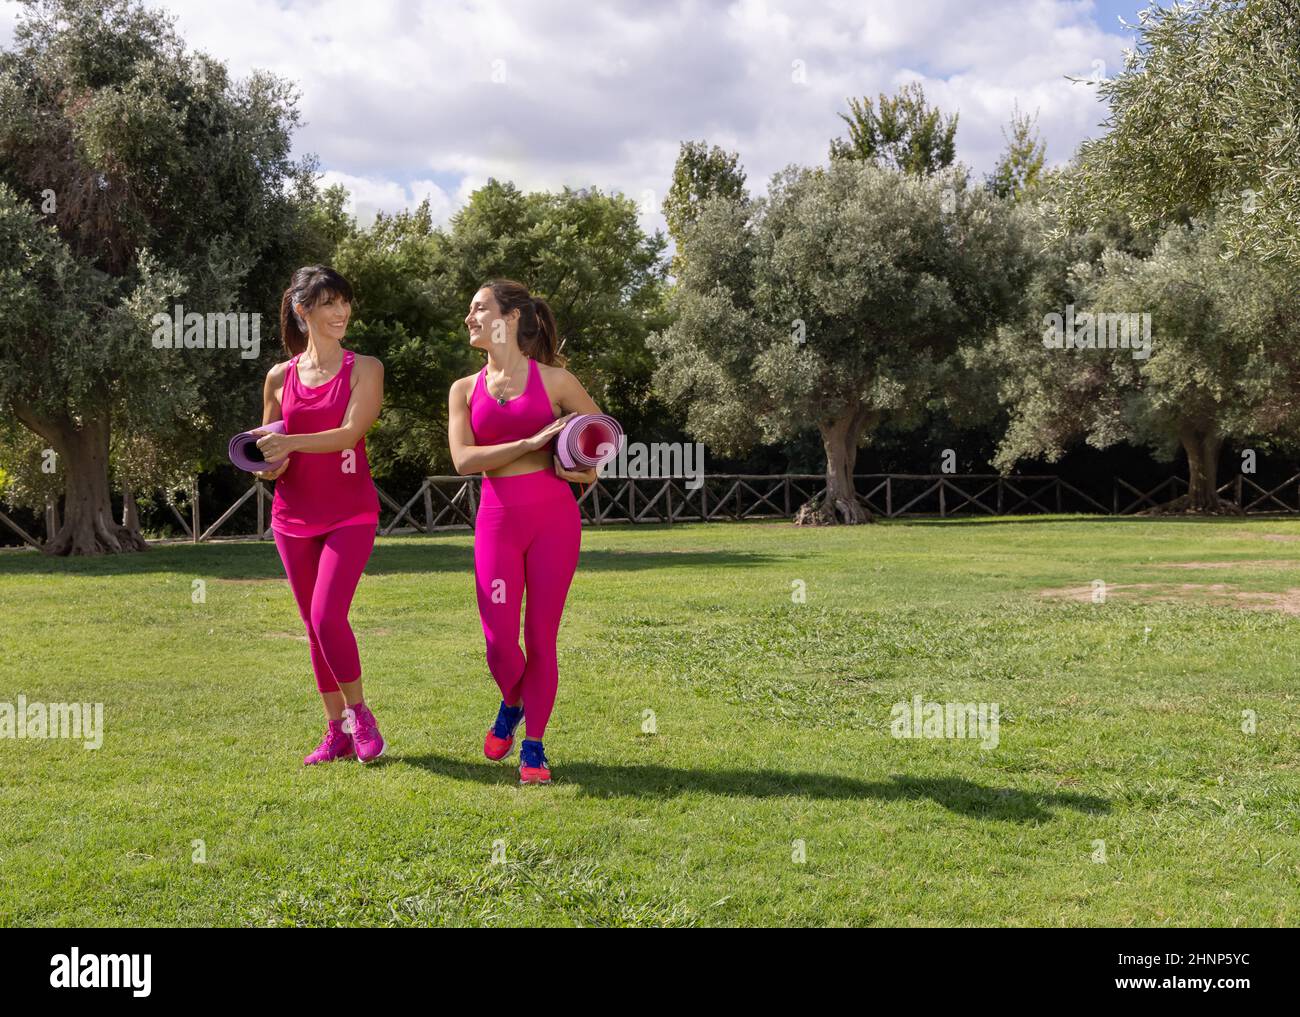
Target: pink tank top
{"x": 520, "y": 417}
{"x": 321, "y": 491}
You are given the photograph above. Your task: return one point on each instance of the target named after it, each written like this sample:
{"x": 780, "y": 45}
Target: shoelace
{"x": 533, "y": 759}
{"x": 364, "y": 724}
{"x": 504, "y": 728}
{"x": 332, "y": 743}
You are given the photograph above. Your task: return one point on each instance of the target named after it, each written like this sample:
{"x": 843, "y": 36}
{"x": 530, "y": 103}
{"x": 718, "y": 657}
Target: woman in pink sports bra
{"x": 325, "y": 510}
{"x": 501, "y": 422}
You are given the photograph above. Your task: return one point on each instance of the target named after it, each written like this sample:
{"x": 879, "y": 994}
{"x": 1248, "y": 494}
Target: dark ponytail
{"x": 310, "y": 285}
{"x": 292, "y": 334}
{"x": 538, "y": 335}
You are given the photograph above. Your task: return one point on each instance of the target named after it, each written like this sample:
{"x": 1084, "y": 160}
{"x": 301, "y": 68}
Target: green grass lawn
{"x": 1120, "y": 722}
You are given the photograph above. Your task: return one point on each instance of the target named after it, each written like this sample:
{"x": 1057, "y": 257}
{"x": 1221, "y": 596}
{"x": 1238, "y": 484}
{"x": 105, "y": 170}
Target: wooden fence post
{"x": 27, "y": 537}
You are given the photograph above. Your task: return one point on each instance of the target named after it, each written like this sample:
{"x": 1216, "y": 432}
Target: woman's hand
{"x": 271, "y": 475}
{"x": 274, "y": 446}
{"x": 547, "y": 434}
{"x": 585, "y": 477}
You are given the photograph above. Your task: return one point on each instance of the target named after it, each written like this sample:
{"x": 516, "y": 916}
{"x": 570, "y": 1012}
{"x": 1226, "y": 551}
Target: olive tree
{"x": 830, "y": 304}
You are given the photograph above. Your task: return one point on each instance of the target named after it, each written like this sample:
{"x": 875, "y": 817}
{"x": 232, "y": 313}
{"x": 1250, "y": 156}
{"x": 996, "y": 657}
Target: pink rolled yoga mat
{"x": 245, "y": 454}
{"x": 588, "y": 440}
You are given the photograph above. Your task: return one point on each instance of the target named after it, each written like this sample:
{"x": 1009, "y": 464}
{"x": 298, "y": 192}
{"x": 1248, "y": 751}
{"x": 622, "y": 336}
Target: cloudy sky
{"x": 406, "y": 100}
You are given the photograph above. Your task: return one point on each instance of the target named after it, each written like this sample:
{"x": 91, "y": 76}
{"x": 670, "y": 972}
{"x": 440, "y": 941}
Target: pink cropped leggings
{"x": 323, "y": 573}
{"x": 527, "y": 535}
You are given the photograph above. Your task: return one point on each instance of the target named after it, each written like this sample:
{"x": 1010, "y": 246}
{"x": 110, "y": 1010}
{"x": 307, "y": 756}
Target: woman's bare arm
{"x": 272, "y": 411}
{"x": 470, "y": 458}
{"x": 363, "y": 409}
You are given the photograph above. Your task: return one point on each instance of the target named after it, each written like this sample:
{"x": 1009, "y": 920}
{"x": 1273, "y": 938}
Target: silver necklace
{"x": 501, "y": 399}
{"x": 319, "y": 368}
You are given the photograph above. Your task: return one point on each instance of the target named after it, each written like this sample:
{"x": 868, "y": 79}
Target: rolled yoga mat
{"x": 588, "y": 440}
{"x": 245, "y": 454}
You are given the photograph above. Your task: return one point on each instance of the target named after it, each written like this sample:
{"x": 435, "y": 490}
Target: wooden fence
{"x": 451, "y": 503}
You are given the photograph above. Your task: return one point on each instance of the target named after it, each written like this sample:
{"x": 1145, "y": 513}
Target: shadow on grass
{"x": 953, "y": 793}
{"x": 453, "y": 552}
{"x": 393, "y": 556}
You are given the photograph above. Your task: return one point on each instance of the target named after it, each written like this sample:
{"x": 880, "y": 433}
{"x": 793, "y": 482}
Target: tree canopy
{"x": 901, "y": 132}
{"x": 832, "y": 302}
{"x": 1221, "y": 364}
{"x": 1204, "y": 118}
{"x": 134, "y": 176}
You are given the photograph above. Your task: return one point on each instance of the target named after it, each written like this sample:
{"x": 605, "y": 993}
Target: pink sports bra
{"x": 496, "y": 423}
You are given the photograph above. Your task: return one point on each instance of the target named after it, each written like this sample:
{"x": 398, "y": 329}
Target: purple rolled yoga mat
{"x": 588, "y": 440}
{"x": 245, "y": 454}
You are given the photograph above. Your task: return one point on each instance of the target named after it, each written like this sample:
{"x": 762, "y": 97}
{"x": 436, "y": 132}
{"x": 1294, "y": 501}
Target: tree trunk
{"x": 1202, "y": 448}
{"x": 130, "y": 516}
{"x": 840, "y": 503}
{"x": 88, "y": 527}
{"x": 51, "y": 517}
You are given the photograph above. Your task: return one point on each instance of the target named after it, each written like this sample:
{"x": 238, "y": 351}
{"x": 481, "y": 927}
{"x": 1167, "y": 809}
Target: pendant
{"x": 500, "y": 401}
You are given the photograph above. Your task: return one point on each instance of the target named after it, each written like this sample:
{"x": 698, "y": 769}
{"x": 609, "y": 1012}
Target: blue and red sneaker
{"x": 501, "y": 735}
{"x": 532, "y": 763}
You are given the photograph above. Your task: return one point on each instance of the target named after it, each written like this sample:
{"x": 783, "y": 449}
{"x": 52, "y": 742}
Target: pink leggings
{"x": 526, "y": 538}
{"x": 323, "y": 573}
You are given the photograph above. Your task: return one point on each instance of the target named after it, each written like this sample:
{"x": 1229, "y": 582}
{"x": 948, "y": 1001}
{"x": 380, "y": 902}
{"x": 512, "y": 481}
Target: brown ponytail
{"x": 291, "y": 334}
{"x": 538, "y": 334}
{"x": 310, "y": 285}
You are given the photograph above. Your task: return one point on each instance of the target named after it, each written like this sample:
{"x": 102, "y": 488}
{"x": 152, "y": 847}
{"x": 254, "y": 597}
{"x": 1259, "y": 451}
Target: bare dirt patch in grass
{"x": 1258, "y": 563}
{"x": 1217, "y": 594}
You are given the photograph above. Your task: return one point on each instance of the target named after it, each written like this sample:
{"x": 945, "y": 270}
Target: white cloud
{"x": 371, "y": 195}
{"x": 404, "y": 99}
{"x": 9, "y": 12}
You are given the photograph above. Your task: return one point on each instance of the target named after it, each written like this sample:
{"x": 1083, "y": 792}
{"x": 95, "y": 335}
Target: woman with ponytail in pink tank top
{"x": 528, "y": 530}
{"x": 325, "y": 509}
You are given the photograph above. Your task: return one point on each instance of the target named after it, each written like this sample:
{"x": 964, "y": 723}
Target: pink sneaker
{"x": 337, "y": 745}
{"x": 365, "y": 732}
